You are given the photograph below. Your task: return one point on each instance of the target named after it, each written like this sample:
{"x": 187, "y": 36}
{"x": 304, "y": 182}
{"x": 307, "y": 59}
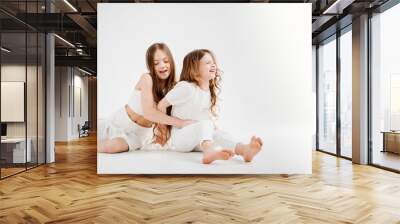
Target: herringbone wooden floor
{"x": 70, "y": 191}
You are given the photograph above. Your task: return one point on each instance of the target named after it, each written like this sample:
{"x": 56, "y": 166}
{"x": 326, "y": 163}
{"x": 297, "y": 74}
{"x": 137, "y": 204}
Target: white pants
{"x": 189, "y": 138}
{"x": 120, "y": 125}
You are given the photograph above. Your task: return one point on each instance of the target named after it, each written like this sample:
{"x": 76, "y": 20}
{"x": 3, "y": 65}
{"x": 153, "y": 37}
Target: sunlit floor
{"x": 347, "y": 152}
{"x": 386, "y": 159}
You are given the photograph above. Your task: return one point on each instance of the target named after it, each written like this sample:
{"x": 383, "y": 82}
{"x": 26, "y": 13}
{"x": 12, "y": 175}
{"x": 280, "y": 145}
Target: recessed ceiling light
{"x": 5, "y": 50}
{"x": 337, "y": 7}
{"x": 64, "y": 40}
{"x": 84, "y": 71}
{"x": 70, "y": 5}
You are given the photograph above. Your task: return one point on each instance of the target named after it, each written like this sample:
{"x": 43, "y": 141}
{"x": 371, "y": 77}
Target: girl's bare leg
{"x": 248, "y": 151}
{"x": 210, "y": 154}
{"x": 114, "y": 145}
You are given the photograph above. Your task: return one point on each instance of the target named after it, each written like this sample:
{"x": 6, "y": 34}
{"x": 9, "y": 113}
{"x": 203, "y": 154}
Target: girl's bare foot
{"x": 248, "y": 151}
{"x": 210, "y": 156}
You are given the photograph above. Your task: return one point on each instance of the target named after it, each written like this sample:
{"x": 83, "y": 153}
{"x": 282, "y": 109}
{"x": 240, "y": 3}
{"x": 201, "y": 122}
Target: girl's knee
{"x": 205, "y": 126}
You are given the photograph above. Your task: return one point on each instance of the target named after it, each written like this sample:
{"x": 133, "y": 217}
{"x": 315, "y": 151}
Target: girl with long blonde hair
{"x": 195, "y": 98}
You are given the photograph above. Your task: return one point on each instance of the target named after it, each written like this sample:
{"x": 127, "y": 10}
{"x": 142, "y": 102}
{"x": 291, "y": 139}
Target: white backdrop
{"x": 263, "y": 49}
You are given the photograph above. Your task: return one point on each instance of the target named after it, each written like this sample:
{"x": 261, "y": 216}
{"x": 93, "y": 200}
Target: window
{"x": 385, "y": 89}
{"x": 346, "y": 93}
{"x": 327, "y": 96}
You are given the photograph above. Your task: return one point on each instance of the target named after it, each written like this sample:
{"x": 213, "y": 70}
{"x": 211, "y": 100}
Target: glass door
{"x": 327, "y": 95}
{"x": 346, "y": 93}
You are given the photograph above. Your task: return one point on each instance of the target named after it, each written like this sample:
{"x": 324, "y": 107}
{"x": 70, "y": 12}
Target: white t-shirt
{"x": 189, "y": 101}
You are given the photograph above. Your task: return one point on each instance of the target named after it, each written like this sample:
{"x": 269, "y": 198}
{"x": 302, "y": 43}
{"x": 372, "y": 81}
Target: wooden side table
{"x": 391, "y": 141}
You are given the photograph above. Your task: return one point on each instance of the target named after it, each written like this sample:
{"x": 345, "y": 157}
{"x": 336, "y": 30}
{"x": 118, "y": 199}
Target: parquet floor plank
{"x": 70, "y": 191}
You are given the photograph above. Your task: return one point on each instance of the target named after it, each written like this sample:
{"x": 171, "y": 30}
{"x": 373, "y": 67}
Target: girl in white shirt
{"x": 195, "y": 98}
{"x": 131, "y": 126}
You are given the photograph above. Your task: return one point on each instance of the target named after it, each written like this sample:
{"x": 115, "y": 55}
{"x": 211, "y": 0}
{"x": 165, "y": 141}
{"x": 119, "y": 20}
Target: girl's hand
{"x": 185, "y": 123}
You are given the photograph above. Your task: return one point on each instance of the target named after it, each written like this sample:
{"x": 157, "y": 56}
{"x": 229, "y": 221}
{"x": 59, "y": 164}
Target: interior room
{"x": 316, "y": 107}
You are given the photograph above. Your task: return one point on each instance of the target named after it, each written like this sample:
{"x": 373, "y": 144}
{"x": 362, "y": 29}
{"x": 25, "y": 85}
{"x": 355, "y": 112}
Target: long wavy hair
{"x": 190, "y": 73}
{"x": 161, "y": 86}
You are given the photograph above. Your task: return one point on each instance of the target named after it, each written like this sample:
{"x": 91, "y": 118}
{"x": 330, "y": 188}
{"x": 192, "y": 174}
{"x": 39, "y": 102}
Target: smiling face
{"x": 162, "y": 65}
{"x": 207, "y": 67}
{"x": 200, "y": 66}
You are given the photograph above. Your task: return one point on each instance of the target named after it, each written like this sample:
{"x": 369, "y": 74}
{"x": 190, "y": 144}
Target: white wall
{"x": 61, "y": 103}
{"x": 80, "y": 82}
{"x": 15, "y": 72}
{"x": 265, "y": 53}
{"x": 66, "y": 119}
